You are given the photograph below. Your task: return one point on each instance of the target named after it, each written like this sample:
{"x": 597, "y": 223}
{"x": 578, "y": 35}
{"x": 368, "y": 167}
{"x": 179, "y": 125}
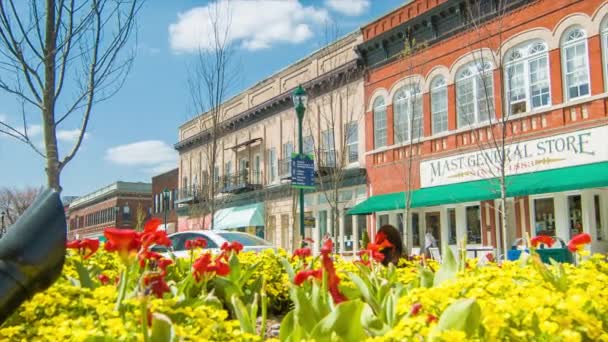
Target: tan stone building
{"x": 259, "y": 135}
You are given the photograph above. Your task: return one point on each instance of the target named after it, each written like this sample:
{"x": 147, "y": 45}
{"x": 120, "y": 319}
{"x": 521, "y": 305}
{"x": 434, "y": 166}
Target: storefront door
{"x": 433, "y": 226}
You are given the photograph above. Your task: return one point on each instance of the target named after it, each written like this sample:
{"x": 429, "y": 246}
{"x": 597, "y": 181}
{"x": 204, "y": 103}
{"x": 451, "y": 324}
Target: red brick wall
{"x": 387, "y": 170}
{"x": 170, "y": 181}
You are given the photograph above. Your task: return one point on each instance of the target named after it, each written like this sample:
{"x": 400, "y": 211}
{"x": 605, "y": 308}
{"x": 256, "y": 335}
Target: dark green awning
{"x": 564, "y": 179}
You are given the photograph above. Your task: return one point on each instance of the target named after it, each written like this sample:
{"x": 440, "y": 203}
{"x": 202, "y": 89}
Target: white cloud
{"x": 34, "y": 130}
{"x": 152, "y": 155}
{"x": 348, "y": 7}
{"x": 70, "y": 135}
{"x": 255, "y": 24}
{"x": 2, "y": 117}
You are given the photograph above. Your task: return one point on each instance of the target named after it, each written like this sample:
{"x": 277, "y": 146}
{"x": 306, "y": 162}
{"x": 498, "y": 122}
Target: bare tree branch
{"x": 75, "y": 44}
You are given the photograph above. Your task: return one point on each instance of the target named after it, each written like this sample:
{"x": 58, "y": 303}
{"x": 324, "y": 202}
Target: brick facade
{"x": 544, "y": 21}
{"x": 168, "y": 180}
{"x": 113, "y": 206}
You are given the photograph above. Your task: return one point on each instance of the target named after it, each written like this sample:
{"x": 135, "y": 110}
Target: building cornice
{"x": 315, "y": 87}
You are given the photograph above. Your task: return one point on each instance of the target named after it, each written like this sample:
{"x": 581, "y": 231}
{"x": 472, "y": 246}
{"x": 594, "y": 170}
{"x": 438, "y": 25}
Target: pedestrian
{"x": 429, "y": 242}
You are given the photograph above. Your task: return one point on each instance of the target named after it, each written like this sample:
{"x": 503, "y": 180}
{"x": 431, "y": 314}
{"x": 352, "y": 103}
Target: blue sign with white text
{"x": 302, "y": 171}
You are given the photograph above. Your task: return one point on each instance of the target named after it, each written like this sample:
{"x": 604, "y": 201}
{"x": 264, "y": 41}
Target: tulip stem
{"x": 144, "y": 318}
{"x": 122, "y": 289}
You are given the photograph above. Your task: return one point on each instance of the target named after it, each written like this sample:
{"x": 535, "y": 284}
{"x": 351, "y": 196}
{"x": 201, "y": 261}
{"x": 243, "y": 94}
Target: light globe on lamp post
{"x": 165, "y": 205}
{"x": 300, "y": 98}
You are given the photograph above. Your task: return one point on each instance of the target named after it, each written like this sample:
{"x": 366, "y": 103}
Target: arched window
{"x": 527, "y": 77}
{"x": 474, "y": 93}
{"x": 439, "y": 105}
{"x": 379, "y": 122}
{"x": 575, "y": 63}
{"x": 604, "y": 29}
{"x": 407, "y": 106}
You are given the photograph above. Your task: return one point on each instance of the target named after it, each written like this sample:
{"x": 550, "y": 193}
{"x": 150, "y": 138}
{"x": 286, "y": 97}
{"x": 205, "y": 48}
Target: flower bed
{"x": 128, "y": 293}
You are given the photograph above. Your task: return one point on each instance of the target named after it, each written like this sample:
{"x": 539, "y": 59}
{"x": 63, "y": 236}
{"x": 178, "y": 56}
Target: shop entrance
{"x": 432, "y": 220}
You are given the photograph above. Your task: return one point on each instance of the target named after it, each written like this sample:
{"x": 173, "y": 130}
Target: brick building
{"x": 163, "y": 203}
{"x": 116, "y": 205}
{"x": 533, "y": 70}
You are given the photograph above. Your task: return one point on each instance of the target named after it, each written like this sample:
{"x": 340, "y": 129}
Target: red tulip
{"x": 152, "y": 225}
{"x": 382, "y": 241}
{"x": 431, "y": 318}
{"x": 235, "y": 246}
{"x": 302, "y": 252}
{"x": 147, "y": 255}
{"x": 204, "y": 265}
{"x": 162, "y": 265}
{"x": 103, "y": 279}
{"x": 332, "y": 277}
{"x": 122, "y": 240}
{"x": 578, "y": 242}
{"x": 196, "y": 243}
{"x": 303, "y": 275}
{"x": 544, "y": 239}
{"x": 490, "y": 257}
{"x": 328, "y": 247}
{"x": 157, "y": 284}
{"x": 415, "y": 309}
{"x": 85, "y": 247}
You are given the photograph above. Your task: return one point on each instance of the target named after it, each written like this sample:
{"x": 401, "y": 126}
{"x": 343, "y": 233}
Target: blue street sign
{"x": 302, "y": 171}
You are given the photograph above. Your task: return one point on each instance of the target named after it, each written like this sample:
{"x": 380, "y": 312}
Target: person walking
{"x": 429, "y": 242}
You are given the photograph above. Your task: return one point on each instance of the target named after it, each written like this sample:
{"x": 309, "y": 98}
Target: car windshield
{"x": 244, "y": 239}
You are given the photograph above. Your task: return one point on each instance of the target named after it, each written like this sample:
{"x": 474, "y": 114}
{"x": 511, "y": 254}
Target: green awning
{"x": 251, "y": 215}
{"x": 564, "y": 179}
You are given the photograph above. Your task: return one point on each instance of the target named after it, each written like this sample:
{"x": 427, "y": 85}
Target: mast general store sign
{"x": 563, "y": 150}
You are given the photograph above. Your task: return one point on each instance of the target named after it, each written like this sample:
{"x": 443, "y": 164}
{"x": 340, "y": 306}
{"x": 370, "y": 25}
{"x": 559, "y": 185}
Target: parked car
{"x": 215, "y": 239}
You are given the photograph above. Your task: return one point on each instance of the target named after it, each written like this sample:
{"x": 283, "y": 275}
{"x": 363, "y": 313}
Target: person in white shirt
{"x": 429, "y": 241}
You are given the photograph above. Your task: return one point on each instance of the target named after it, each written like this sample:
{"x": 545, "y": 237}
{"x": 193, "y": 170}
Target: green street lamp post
{"x": 165, "y": 205}
{"x": 300, "y": 98}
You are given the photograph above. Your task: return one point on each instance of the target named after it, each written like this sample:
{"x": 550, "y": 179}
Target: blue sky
{"x": 131, "y": 136}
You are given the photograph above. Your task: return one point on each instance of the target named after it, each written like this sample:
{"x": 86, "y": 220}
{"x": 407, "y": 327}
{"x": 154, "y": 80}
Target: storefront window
{"x": 575, "y": 215}
{"x": 348, "y": 232}
{"x": 415, "y": 230}
{"x": 473, "y": 214}
{"x": 346, "y": 195}
{"x": 452, "y": 226}
{"x": 432, "y": 226}
{"x": 322, "y": 225}
{"x": 382, "y": 220}
{"x": 272, "y": 224}
{"x": 598, "y": 217}
{"x": 400, "y": 223}
{"x": 361, "y": 228}
{"x": 544, "y": 216}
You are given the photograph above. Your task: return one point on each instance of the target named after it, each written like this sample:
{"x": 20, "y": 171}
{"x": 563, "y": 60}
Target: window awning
{"x": 563, "y": 179}
{"x": 251, "y": 215}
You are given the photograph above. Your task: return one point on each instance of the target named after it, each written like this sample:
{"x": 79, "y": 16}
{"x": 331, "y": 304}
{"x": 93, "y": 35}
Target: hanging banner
{"x": 562, "y": 150}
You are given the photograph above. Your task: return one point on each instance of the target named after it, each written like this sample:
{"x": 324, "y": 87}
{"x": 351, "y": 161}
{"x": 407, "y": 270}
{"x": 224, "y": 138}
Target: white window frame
{"x": 476, "y": 70}
{"x": 604, "y": 37}
{"x": 380, "y": 107}
{"x": 410, "y": 96}
{"x": 570, "y": 44}
{"x": 525, "y": 57}
{"x": 351, "y": 144}
{"x": 328, "y": 147}
{"x": 438, "y": 85}
{"x": 272, "y": 165}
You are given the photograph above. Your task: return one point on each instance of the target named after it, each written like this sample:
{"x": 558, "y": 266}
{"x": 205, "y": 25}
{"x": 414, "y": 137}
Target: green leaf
{"x": 344, "y": 321}
{"x": 449, "y": 267}
{"x": 162, "y": 328}
{"x": 84, "y": 276}
{"x": 288, "y": 269}
{"x": 212, "y": 301}
{"x": 463, "y": 315}
{"x": 100, "y": 339}
{"x": 426, "y": 277}
{"x": 289, "y": 330}
{"x": 389, "y": 306}
{"x": 371, "y": 323}
{"x": 366, "y": 292}
{"x": 305, "y": 316}
{"x": 240, "y": 310}
{"x": 235, "y": 268}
